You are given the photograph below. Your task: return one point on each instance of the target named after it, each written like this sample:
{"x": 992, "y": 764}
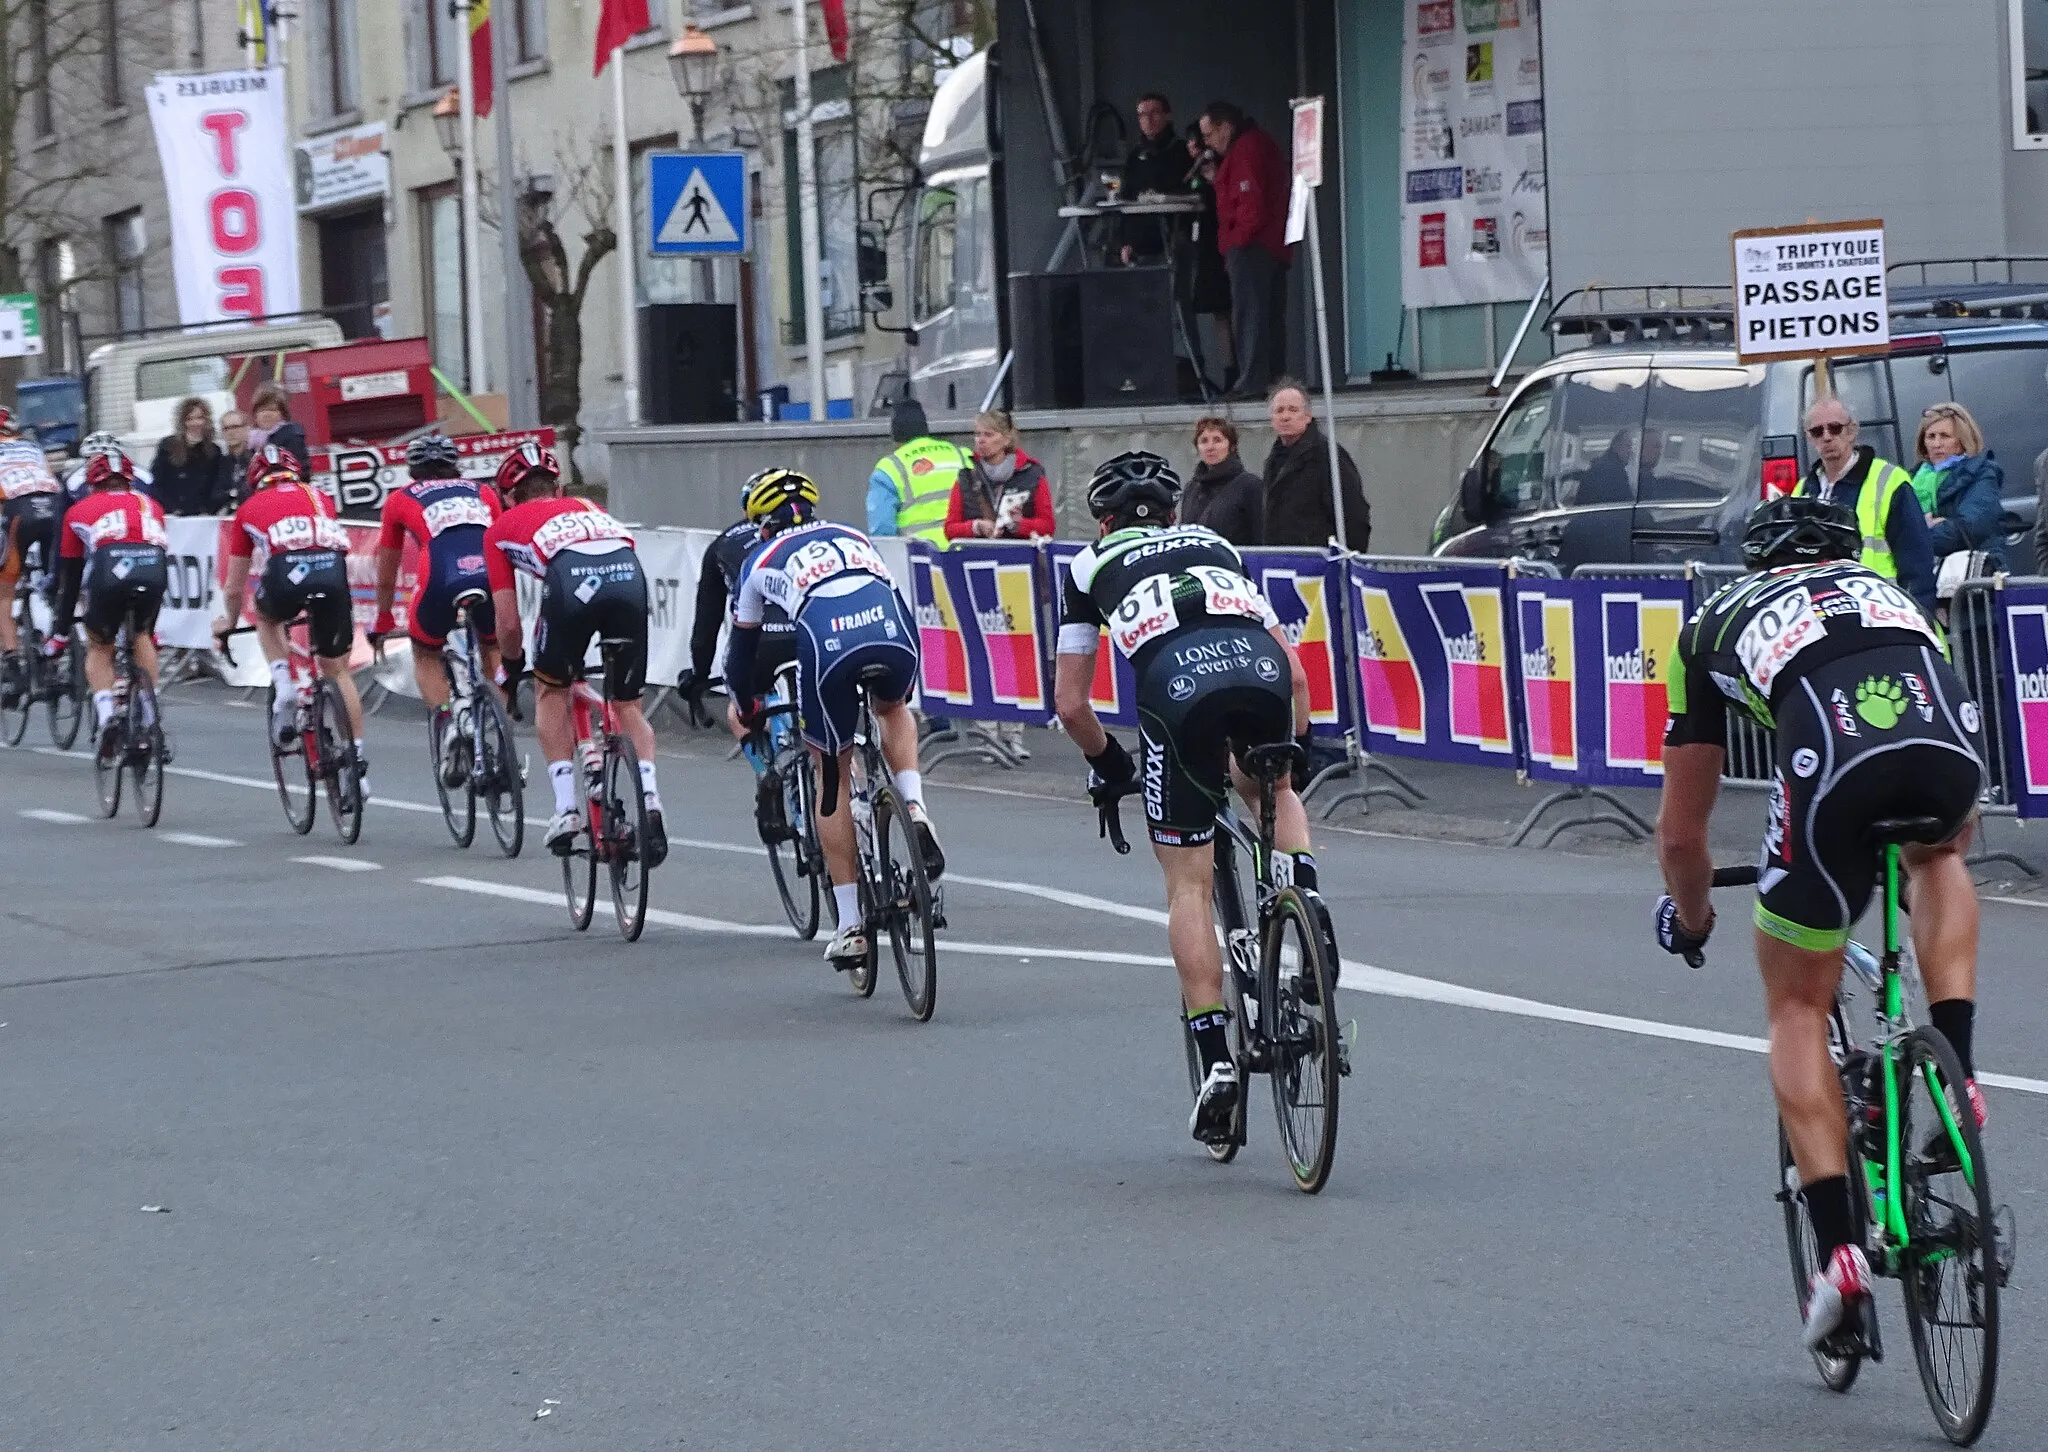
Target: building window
{"x": 530, "y": 30}
{"x": 838, "y": 206}
{"x": 127, "y": 240}
{"x": 441, "y": 278}
{"x": 39, "y": 78}
{"x": 2028, "y": 46}
{"x": 434, "y": 56}
{"x": 331, "y": 56}
{"x": 355, "y": 280}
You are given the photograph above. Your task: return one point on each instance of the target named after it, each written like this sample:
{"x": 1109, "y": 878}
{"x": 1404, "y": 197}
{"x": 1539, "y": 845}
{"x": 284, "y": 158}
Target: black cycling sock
{"x": 1304, "y": 869}
{"x": 1956, "y": 1018}
{"x": 1827, "y": 1206}
{"x": 1211, "y": 1028}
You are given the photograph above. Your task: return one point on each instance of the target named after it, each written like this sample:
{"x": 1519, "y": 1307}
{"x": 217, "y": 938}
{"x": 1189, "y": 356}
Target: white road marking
{"x": 2032, "y": 902}
{"x": 342, "y": 864}
{"x": 46, "y": 814}
{"x": 196, "y": 839}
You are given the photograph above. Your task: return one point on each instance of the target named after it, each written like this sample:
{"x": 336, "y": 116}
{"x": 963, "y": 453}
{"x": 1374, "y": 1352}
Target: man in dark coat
{"x": 1298, "y": 506}
{"x": 1158, "y": 163}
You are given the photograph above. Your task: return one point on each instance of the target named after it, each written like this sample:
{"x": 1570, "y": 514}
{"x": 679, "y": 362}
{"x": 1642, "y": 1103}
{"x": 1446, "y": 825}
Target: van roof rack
{"x": 1644, "y": 313}
{"x": 1970, "y": 287}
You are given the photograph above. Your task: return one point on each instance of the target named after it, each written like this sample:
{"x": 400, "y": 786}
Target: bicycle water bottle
{"x": 754, "y": 757}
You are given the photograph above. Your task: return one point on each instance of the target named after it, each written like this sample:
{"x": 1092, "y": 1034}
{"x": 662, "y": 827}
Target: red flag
{"x": 480, "y": 69}
{"x": 835, "y": 27}
{"x": 617, "y": 23}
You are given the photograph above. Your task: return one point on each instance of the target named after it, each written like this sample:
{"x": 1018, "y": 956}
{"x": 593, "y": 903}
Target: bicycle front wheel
{"x": 1950, "y": 1262}
{"x": 291, "y": 767}
{"x": 17, "y": 692}
{"x": 458, "y": 803}
{"x": 796, "y": 861}
{"x": 338, "y": 765}
{"x": 625, "y": 837}
{"x": 1836, "y": 1362}
{"x": 907, "y": 904}
{"x": 1297, "y": 980}
{"x": 146, "y": 754}
{"x": 67, "y": 701}
{"x": 106, "y": 775}
{"x": 502, "y": 786}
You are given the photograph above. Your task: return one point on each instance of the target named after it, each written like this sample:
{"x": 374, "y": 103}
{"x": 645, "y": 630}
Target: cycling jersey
{"x": 592, "y": 586}
{"x": 300, "y": 554}
{"x": 718, "y": 586}
{"x": 446, "y": 519}
{"x": 118, "y": 540}
{"x": 30, "y": 507}
{"x": 1211, "y": 677}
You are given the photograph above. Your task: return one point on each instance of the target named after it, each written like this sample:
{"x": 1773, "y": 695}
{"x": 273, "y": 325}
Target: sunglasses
{"x": 1829, "y": 430}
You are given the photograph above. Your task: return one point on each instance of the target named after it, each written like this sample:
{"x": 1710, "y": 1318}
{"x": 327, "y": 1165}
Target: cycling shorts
{"x": 1205, "y": 693}
{"x": 1881, "y": 733}
{"x": 433, "y": 604}
{"x": 776, "y": 650}
{"x": 586, "y": 597}
{"x": 38, "y": 519}
{"x": 123, "y": 581}
{"x": 315, "y": 581}
{"x": 838, "y": 636}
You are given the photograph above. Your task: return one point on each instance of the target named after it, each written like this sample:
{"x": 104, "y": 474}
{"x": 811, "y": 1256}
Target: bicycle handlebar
{"x": 1108, "y": 819}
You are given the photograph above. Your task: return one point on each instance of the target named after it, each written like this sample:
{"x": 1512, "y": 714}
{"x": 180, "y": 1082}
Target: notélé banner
{"x": 1592, "y": 676}
{"x": 1304, "y": 588}
{"x": 2023, "y": 662}
{"x": 1432, "y": 657}
{"x": 981, "y": 633}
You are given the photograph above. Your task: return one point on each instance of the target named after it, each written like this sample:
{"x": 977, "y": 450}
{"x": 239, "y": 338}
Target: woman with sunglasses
{"x": 1887, "y": 510}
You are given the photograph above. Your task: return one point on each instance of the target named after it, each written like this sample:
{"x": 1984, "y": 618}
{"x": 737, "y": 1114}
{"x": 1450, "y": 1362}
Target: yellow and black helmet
{"x": 775, "y": 491}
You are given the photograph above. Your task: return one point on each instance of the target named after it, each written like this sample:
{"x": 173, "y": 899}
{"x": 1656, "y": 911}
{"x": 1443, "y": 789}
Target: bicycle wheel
{"x": 106, "y": 773}
{"x": 67, "y": 701}
{"x": 1837, "y": 1363}
{"x": 146, "y": 755}
{"x": 868, "y": 972}
{"x": 503, "y": 790}
{"x": 1950, "y": 1263}
{"x": 796, "y": 862}
{"x": 458, "y": 803}
{"x": 299, "y": 802}
{"x": 338, "y": 765}
{"x": 20, "y": 678}
{"x": 906, "y": 904}
{"x": 625, "y": 837}
{"x": 1302, "y": 1035}
{"x": 579, "y": 879}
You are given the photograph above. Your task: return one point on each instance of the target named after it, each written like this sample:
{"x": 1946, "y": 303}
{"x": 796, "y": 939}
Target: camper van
{"x": 956, "y": 340}
{"x": 135, "y": 384}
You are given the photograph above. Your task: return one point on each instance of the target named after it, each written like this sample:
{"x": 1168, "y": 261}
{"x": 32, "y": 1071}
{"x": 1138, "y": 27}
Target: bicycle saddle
{"x": 470, "y": 597}
{"x": 1274, "y": 760}
{"x": 873, "y": 674}
{"x": 1889, "y": 830}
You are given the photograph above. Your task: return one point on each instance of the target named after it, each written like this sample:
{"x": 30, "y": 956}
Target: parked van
{"x": 133, "y": 385}
{"x": 1655, "y": 453}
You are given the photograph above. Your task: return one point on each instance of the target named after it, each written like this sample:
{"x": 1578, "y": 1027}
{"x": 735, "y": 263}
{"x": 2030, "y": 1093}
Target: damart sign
{"x": 1804, "y": 292}
{"x": 222, "y": 140}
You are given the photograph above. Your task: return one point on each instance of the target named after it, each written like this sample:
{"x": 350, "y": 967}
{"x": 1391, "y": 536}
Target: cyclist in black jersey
{"x": 1870, "y": 723}
{"x": 1215, "y": 675}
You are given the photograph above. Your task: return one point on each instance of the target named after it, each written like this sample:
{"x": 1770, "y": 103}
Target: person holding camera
{"x": 1252, "y": 189}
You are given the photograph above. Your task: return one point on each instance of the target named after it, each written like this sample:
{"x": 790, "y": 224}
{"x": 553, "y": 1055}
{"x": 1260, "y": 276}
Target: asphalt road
{"x": 434, "y": 1164}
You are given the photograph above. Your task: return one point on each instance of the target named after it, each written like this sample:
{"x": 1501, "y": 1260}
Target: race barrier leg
{"x": 1359, "y": 766}
{"x": 1584, "y": 798}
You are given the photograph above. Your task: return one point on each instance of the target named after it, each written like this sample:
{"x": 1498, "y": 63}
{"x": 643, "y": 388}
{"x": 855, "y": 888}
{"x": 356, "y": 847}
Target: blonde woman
{"x": 1002, "y": 494}
{"x": 1960, "y": 485}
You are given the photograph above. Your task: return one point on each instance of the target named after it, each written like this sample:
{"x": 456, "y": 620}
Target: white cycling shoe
{"x": 1216, "y": 1104}
{"x": 927, "y": 841}
{"x": 848, "y": 946}
{"x": 562, "y": 830}
{"x": 1837, "y": 1293}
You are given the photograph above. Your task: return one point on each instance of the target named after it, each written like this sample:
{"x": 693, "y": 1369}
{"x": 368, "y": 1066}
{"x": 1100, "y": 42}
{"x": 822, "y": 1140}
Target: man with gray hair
{"x": 1894, "y": 527}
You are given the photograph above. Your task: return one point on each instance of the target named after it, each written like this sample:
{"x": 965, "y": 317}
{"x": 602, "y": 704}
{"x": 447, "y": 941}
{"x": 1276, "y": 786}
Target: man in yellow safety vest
{"x": 1894, "y": 527}
{"x": 910, "y": 490}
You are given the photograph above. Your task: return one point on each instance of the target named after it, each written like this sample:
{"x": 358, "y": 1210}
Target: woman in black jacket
{"x": 1223, "y": 495}
{"x": 187, "y": 475}
{"x": 271, "y": 411}
{"x": 1298, "y": 507}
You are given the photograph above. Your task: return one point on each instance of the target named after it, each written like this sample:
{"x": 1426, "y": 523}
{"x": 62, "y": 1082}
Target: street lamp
{"x": 693, "y": 61}
{"x": 448, "y": 123}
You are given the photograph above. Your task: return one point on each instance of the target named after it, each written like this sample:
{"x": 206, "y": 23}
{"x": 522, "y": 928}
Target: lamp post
{"x": 693, "y": 61}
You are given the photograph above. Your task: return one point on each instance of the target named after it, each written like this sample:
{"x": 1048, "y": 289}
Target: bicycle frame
{"x": 582, "y": 719}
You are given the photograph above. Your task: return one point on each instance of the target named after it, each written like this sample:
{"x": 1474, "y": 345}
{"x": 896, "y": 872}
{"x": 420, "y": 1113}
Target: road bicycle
{"x": 321, "y": 741}
{"x": 1921, "y": 1189}
{"x": 614, "y": 808}
{"x": 28, "y": 678}
{"x": 897, "y": 894}
{"x": 787, "y": 809}
{"x": 1280, "y": 976}
{"x": 134, "y": 742}
{"x": 490, "y": 769}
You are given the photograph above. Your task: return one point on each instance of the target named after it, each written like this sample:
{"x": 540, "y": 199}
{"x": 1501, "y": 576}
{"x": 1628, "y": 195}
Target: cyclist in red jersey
{"x": 591, "y": 586}
{"x": 287, "y": 533}
{"x": 113, "y": 544}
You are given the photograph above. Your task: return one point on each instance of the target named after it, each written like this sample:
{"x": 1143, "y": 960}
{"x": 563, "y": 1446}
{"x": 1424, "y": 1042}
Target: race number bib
{"x": 811, "y": 564}
{"x": 1778, "y": 633}
{"x": 1884, "y": 606}
{"x": 1226, "y": 592}
{"x": 1145, "y": 614}
{"x": 447, "y": 514}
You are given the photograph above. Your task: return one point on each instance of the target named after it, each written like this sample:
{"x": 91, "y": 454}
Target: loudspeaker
{"x": 689, "y": 363}
{"x": 1045, "y": 334}
{"x": 1127, "y": 336}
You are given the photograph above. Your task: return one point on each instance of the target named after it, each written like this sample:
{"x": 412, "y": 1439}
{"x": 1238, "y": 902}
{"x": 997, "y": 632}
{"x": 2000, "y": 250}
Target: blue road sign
{"x": 698, "y": 203}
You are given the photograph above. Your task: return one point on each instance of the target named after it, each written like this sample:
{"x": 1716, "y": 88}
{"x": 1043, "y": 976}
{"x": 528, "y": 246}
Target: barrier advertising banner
{"x": 1303, "y": 588}
{"x": 981, "y": 633}
{"x": 1115, "y": 691}
{"x": 1593, "y": 665}
{"x": 2024, "y": 665}
{"x": 359, "y": 476}
{"x": 1432, "y": 660}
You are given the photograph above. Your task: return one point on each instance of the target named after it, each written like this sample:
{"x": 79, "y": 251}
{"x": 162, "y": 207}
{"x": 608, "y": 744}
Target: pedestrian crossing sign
{"x": 698, "y": 203}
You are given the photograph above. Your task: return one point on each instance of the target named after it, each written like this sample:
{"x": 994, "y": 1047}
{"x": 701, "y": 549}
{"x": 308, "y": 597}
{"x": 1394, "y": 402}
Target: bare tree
{"x": 583, "y": 192}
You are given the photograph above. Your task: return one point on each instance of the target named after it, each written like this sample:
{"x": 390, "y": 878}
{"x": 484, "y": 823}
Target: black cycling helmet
{"x": 1134, "y": 488}
{"x": 433, "y": 456}
{"x": 1800, "y": 529}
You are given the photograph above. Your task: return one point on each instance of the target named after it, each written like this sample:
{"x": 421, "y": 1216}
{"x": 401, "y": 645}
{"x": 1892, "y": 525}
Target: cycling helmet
{"x": 272, "y": 465}
{"x": 104, "y": 469}
{"x": 433, "y": 456}
{"x": 1134, "y": 488}
{"x": 525, "y": 466}
{"x": 778, "y": 498}
{"x": 1800, "y": 529}
{"x": 99, "y": 442}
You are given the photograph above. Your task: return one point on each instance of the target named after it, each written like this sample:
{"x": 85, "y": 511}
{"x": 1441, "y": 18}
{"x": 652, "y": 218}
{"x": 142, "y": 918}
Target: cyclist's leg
{"x": 1190, "y": 929}
{"x": 335, "y": 668}
{"x": 10, "y": 573}
{"x": 836, "y": 839}
{"x": 429, "y": 674}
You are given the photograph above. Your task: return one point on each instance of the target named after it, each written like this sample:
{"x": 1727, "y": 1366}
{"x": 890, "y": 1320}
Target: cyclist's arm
{"x": 387, "y": 578}
{"x": 1073, "y": 681}
{"x": 739, "y": 660}
{"x": 711, "y": 600}
{"x": 511, "y": 630}
{"x": 235, "y": 591}
{"x": 1298, "y": 677}
{"x": 1695, "y": 749}
{"x": 70, "y": 574}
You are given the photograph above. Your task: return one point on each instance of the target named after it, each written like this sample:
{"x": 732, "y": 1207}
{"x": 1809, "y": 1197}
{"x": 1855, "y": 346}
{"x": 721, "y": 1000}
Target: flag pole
{"x": 807, "y": 208}
{"x": 522, "y": 404}
{"x": 477, "y": 376}
{"x": 622, "y": 184}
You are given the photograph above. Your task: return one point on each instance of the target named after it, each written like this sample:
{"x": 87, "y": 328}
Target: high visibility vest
{"x": 923, "y": 471}
{"x": 1873, "y": 508}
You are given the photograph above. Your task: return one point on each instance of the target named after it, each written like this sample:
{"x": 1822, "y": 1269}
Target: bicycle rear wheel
{"x": 1950, "y": 1264}
{"x": 18, "y": 673}
{"x": 796, "y": 878}
{"x": 1837, "y": 1363}
{"x": 146, "y": 754}
{"x": 864, "y": 975}
{"x": 67, "y": 703}
{"x": 1302, "y": 1036}
{"x": 502, "y": 787}
{"x": 907, "y": 904}
{"x": 625, "y": 836}
{"x": 338, "y": 765}
{"x": 458, "y": 803}
{"x": 106, "y": 774}
{"x": 299, "y": 802}
{"x": 579, "y": 879}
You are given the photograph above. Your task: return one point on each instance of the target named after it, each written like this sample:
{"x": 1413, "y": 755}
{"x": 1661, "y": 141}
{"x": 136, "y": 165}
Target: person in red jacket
{"x": 1004, "y": 495}
{"x": 1252, "y": 187}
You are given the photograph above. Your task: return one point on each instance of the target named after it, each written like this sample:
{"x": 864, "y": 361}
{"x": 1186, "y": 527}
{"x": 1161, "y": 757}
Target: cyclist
{"x": 1870, "y": 723}
{"x": 100, "y": 443}
{"x": 287, "y": 534}
{"x": 591, "y": 586}
{"x": 31, "y": 508}
{"x": 114, "y": 544}
{"x": 717, "y": 587}
{"x": 445, "y": 515}
{"x": 830, "y": 581}
{"x": 1214, "y": 675}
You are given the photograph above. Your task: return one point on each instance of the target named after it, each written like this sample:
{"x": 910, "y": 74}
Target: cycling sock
{"x": 755, "y": 759}
{"x": 1304, "y": 869}
{"x": 281, "y": 681}
{"x": 562, "y": 777}
{"x": 1211, "y": 1028}
{"x": 1956, "y": 1018}
{"x": 1827, "y": 1206}
{"x": 846, "y": 903}
{"x": 647, "y": 787}
{"x": 910, "y": 786}
{"x": 103, "y": 706}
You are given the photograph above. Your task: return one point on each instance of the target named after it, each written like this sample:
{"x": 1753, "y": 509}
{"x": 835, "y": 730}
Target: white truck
{"x": 135, "y": 384}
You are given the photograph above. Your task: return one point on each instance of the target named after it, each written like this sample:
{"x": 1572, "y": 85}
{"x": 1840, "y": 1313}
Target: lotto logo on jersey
{"x": 1470, "y": 628}
{"x": 1006, "y": 610}
{"x": 1386, "y": 668}
{"x": 1639, "y": 647}
{"x": 581, "y": 526}
{"x": 447, "y": 514}
{"x": 1302, "y": 603}
{"x": 1549, "y": 679}
{"x": 942, "y": 648}
{"x": 2027, "y": 637}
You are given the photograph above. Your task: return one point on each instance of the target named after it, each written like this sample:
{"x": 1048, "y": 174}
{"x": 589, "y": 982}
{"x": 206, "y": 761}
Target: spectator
{"x": 1960, "y": 486}
{"x": 1894, "y": 527}
{"x": 1223, "y": 495}
{"x": 1252, "y": 185}
{"x": 1298, "y": 507}
{"x": 1157, "y": 165}
{"x": 1207, "y": 288}
{"x": 188, "y": 469}
{"x": 234, "y": 455}
{"x": 1004, "y": 494}
{"x": 271, "y": 410}
{"x": 910, "y": 487}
